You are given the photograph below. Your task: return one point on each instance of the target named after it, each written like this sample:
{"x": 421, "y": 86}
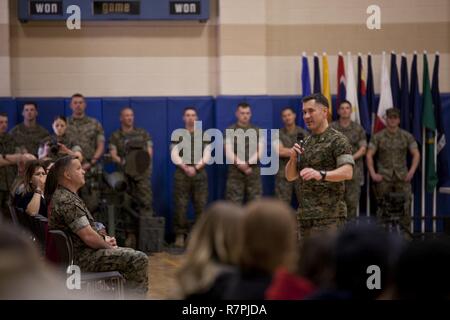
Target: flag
{"x": 306, "y": 84}
{"x": 326, "y": 85}
{"x": 351, "y": 94}
{"x": 370, "y": 92}
{"x": 395, "y": 85}
{"x": 405, "y": 118}
{"x": 415, "y": 103}
{"x": 362, "y": 99}
{"x": 340, "y": 84}
{"x": 385, "y": 97}
{"x": 442, "y": 159}
{"x": 429, "y": 123}
{"x": 317, "y": 87}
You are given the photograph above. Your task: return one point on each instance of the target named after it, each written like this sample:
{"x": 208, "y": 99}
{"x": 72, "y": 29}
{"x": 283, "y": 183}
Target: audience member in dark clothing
{"x": 269, "y": 243}
{"x": 30, "y": 196}
{"x": 423, "y": 271}
{"x": 358, "y": 247}
{"x": 212, "y": 254}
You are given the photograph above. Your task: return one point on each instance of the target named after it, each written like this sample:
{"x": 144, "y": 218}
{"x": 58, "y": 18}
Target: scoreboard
{"x": 115, "y": 10}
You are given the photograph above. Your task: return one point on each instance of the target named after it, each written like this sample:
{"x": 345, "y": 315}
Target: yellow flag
{"x": 326, "y": 85}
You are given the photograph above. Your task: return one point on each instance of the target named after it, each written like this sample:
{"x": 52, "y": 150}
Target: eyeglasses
{"x": 37, "y": 174}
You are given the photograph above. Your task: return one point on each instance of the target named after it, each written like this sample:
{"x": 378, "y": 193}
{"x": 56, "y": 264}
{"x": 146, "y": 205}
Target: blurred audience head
{"x": 215, "y": 241}
{"x": 269, "y": 236}
{"x": 358, "y": 247}
{"x": 34, "y": 176}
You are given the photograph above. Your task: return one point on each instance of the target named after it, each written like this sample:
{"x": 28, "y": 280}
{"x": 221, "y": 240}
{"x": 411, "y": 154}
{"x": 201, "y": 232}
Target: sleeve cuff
{"x": 345, "y": 159}
{"x": 79, "y": 223}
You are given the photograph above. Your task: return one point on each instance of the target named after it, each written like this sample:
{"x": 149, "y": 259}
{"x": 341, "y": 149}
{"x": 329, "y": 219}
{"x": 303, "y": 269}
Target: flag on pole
{"x": 405, "y": 118}
{"x": 362, "y": 98}
{"x": 340, "y": 84}
{"x": 385, "y": 97}
{"x": 317, "y": 87}
{"x": 326, "y": 85}
{"x": 395, "y": 84}
{"x": 415, "y": 103}
{"x": 371, "y": 106}
{"x": 442, "y": 159}
{"x": 306, "y": 84}
{"x": 429, "y": 123}
{"x": 351, "y": 92}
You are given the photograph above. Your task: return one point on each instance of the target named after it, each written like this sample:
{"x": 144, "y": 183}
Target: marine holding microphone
{"x": 322, "y": 164}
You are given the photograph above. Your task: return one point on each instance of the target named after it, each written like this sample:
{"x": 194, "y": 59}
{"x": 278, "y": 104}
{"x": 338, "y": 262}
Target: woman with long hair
{"x": 212, "y": 253}
{"x": 31, "y": 198}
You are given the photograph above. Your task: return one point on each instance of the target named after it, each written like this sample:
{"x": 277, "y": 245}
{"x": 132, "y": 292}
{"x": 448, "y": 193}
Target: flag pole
{"x": 422, "y": 214}
{"x": 434, "y": 191}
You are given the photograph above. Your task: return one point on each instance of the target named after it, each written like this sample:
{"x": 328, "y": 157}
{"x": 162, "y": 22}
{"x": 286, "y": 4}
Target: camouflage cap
{"x": 392, "y": 112}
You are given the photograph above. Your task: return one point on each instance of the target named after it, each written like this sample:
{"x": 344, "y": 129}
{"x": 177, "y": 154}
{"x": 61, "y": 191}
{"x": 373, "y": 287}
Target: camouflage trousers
{"x": 396, "y": 185}
{"x": 184, "y": 189}
{"x": 284, "y": 188}
{"x": 351, "y": 197}
{"x": 241, "y": 186}
{"x": 141, "y": 190}
{"x": 132, "y": 264}
{"x": 321, "y": 219}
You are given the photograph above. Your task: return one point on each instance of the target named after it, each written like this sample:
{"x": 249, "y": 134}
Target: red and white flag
{"x": 385, "y": 97}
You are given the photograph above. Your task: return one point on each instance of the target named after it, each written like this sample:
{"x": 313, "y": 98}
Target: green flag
{"x": 429, "y": 122}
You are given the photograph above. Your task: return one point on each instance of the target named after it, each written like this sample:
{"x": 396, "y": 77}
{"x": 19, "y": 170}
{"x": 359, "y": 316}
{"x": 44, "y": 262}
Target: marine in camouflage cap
{"x": 326, "y": 161}
{"x": 392, "y": 174}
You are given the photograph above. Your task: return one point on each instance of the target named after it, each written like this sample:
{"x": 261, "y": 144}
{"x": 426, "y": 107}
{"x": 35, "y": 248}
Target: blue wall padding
{"x": 161, "y": 115}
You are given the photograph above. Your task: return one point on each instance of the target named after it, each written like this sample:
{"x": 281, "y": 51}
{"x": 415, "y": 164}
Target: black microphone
{"x": 300, "y": 137}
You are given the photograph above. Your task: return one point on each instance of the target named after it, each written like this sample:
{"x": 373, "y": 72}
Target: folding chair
{"x": 93, "y": 281}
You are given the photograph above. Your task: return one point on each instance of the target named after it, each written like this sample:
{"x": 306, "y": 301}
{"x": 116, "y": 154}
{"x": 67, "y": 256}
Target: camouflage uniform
{"x": 70, "y": 214}
{"x": 29, "y": 138}
{"x": 138, "y": 186}
{"x": 186, "y": 188}
{"x": 239, "y": 185}
{"x": 88, "y": 132}
{"x": 357, "y": 138}
{"x": 392, "y": 149}
{"x": 7, "y": 173}
{"x": 321, "y": 205}
{"x": 284, "y": 188}
{"x": 66, "y": 140}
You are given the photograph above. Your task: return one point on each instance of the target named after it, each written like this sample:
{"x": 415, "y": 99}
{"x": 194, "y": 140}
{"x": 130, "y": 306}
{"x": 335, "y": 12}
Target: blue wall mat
{"x": 48, "y": 108}
{"x": 151, "y": 114}
{"x": 205, "y": 111}
{"x": 8, "y": 105}
{"x": 93, "y": 109}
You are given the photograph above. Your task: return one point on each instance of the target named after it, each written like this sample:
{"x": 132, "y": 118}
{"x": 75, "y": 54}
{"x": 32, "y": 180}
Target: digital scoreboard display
{"x": 115, "y": 10}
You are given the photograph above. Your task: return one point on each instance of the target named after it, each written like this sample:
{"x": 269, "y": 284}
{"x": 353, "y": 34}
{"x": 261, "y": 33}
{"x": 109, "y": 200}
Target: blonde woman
{"x": 269, "y": 243}
{"x": 212, "y": 254}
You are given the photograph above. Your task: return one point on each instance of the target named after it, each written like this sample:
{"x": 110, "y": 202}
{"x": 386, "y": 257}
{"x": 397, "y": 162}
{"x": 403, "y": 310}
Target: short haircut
{"x": 318, "y": 97}
{"x": 77, "y": 95}
{"x": 190, "y": 108}
{"x": 125, "y": 108}
{"x": 30, "y": 103}
{"x": 344, "y": 101}
{"x": 61, "y": 165}
{"x": 60, "y": 117}
{"x": 288, "y": 108}
{"x": 243, "y": 105}
{"x": 3, "y": 114}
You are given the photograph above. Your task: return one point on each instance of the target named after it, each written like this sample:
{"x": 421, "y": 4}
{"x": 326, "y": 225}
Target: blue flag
{"x": 405, "y": 117}
{"x": 370, "y": 93}
{"x": 415, "y": 103}
{"x": 317, "y": 86}
{"x": 442, "y": 159}
{"x": 306, "y": 84}
{"x": 362, "y": 99}
{"x": 395, "y": 84}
